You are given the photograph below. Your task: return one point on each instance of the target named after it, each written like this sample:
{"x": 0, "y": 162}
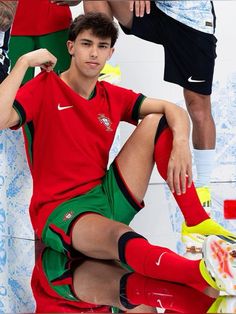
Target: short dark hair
{"x": 100, "y": 24}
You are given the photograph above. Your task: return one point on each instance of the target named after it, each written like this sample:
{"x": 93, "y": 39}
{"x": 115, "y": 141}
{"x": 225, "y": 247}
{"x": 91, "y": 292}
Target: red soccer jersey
{"x": 40, "y": 17}
{"x": 68, "y": 138}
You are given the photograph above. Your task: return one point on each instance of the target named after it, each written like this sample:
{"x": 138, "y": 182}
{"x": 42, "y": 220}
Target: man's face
{"x": 90, "y": 53}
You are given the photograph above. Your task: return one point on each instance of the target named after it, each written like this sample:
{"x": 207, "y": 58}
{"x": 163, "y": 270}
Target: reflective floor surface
{"x": 37, "y": 279}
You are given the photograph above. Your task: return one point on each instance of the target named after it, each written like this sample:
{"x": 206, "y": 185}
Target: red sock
{"x": 159, "y": 262}
{"x": 189, "y": 203}
{"x": 169, "y": 296}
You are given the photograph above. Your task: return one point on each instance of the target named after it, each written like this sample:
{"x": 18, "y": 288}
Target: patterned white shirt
{"x": 198, "y": 14}
{"x": 4, "y": 40}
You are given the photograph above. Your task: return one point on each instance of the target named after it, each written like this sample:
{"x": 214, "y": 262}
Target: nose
{"x": 94, "y": 52}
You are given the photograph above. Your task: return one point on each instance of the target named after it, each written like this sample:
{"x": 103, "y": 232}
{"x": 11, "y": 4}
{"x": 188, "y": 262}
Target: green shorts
{"x": 53, "y": 42}
{"x": 111, "y": 199}
{"x": 54, "y": 274}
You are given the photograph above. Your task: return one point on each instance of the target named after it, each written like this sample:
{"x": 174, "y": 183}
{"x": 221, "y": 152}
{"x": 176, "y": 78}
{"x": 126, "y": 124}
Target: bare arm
{"x": 10, "y": 86}
{"x": 7, "y": 13}
{"x": 180, "y": 162}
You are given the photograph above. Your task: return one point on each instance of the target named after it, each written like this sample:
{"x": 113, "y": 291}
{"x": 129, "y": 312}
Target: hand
{"x": 42, "y": 58}
{"x": 179, "y": 172}
{"x": 66, "y": 2}
{"x": 140, "y": 7}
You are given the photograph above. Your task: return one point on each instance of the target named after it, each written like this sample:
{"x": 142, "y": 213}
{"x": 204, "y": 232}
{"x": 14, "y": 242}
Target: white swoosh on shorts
{"x": 191, "y": 80}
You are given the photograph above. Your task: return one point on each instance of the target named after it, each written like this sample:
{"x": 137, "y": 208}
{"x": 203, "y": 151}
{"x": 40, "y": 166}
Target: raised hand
{"x": 42, "y": 58}
{"x": 140, "y": 7}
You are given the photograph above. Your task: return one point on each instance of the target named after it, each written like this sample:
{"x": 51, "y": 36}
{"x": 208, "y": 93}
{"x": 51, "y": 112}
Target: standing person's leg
{"x": 204, "y": 140}
{"x": 119, "y": 9}
{"x": 191, "y": 66}
{"x": 97, "y": 6}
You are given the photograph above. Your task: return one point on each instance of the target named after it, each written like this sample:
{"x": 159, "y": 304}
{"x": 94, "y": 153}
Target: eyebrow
{"x": 90, "y": 41}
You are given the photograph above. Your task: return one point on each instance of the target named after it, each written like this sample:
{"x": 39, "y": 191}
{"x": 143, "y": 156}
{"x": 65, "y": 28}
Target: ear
{"x": 111, "y": 53}
{"x": 70, "y": 47}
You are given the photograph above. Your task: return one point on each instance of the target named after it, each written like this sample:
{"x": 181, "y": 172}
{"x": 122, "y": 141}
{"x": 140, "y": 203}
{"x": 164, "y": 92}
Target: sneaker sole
{"x": 216, "y": 256}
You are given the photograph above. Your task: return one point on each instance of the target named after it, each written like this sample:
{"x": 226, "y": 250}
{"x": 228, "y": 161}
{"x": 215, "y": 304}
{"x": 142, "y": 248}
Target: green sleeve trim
{"x": 21, "y": 113}
{"x": 137, "y": 105}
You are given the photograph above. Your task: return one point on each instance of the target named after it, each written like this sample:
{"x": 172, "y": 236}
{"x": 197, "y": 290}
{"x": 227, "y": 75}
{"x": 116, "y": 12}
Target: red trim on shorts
{"x": 127, "y": 192}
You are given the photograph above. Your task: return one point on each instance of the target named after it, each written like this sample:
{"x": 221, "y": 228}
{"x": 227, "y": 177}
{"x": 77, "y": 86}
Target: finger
{"x": 131, "y": 6}
{"x": 137, "y": 12}
{"x": 48, "y": 66}
{"x": 170, "y": 180}
{"x": 141, "y": 8}
{"x": 148, "y": 7}
{"x": 190, "y": 176}
{"x": 176, "y": 179}
{"x": 183, "y": 180}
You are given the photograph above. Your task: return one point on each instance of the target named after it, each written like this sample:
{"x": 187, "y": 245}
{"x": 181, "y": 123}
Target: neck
{"x": 81, "y": 84}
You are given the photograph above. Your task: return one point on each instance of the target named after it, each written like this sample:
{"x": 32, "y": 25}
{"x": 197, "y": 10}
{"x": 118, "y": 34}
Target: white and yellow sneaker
{"x": 193, "y": 237}
{"x": 110, "y": 74}
{"x": 219, "y": 257}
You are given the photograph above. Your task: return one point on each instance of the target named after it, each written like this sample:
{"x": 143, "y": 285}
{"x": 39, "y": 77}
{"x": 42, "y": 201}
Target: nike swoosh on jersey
{"x": 159, "y": 259}
{"x": 191, "y": 80}
{"x": 59, "y": 107}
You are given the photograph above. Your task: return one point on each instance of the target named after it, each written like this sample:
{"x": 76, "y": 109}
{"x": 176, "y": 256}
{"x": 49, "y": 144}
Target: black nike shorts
{"x": 189, "y": 54}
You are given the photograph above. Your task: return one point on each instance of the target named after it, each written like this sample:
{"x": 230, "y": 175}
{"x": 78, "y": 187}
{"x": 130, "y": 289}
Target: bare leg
{"x": 98, "y": 282}
{"x": 203, "y": 138}
{"x": 96, "y": 236}
{"x": 136, "y": 158}
{"x": 199, "y": 108}
{"x": 119, "y": 9}
{"x": 97, "y": 6}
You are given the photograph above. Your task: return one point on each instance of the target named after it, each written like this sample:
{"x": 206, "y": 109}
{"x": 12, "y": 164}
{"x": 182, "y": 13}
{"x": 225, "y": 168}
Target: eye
{"x": 86, "y": 43}
{"x": 103, "y": 46}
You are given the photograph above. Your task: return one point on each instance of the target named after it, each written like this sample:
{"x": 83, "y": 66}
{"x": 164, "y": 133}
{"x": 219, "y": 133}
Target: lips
{"x": 92, "y": 64}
